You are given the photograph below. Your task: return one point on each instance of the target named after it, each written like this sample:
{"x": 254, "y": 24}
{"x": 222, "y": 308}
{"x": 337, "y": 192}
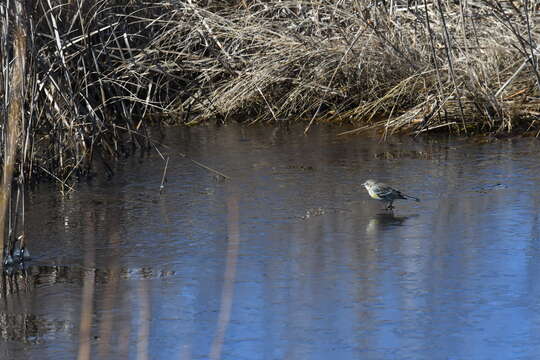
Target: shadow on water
{"x": 290, "y": 259}
{"x": 385, "y": 221}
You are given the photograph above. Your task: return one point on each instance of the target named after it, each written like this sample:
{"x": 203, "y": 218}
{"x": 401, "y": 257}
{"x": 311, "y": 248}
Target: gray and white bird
{"x": 387, "y": 194}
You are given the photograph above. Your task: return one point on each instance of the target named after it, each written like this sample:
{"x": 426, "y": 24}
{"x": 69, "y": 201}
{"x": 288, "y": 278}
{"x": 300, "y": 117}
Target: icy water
{"x": 289, "y": 258}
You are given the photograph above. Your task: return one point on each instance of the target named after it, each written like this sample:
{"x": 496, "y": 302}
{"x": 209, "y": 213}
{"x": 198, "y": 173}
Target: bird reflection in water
{"x": 384, "y": 220}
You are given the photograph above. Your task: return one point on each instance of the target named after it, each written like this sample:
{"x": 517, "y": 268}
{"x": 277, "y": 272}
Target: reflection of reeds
{"x": 87, "y": 304}
{"x": 145, "y": 317}
{"x": 229, "y": 278}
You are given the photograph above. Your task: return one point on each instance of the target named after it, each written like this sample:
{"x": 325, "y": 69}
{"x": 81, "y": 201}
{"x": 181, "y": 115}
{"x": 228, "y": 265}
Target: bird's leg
{"x": 390, "y": 206}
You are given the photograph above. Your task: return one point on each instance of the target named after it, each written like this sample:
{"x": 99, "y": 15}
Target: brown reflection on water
{"x": 87, "y": 304}
{"x": 109, "y": 303}
{"x": 227, "y": 294}
{"x": 145, "y": 317}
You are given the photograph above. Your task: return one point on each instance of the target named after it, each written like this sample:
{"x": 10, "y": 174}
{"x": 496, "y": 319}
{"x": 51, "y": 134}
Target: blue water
{"x": 289, "y": 258}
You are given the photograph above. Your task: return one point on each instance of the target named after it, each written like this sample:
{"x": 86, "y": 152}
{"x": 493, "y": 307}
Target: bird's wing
{"x": 383, "y": 191}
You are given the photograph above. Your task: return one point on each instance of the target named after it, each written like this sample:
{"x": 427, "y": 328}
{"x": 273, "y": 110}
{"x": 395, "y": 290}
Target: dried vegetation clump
{"x": 98, "y": 71}
{"x": 466, "y": 66}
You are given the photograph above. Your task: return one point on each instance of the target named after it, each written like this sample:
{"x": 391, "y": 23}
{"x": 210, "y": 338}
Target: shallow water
{"x": 289, "y": 259}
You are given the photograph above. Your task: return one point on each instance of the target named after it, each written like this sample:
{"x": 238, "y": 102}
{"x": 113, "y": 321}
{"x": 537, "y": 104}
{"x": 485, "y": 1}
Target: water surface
{"x": 289, "y": 259}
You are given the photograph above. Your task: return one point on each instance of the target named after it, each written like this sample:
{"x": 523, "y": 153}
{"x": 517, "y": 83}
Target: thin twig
{"x": 205, "y": 167}
{"x": 163, "y": 178}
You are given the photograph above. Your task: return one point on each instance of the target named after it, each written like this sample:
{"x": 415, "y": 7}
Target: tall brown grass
{"x": 98, "y": 71}
{"x": 466, "y": 66}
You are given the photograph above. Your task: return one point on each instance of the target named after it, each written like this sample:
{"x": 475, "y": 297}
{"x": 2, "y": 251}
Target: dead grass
{"x": 467, "y": 66}
{"x": 80, "y": 80}
{"x": 98, "y": 71}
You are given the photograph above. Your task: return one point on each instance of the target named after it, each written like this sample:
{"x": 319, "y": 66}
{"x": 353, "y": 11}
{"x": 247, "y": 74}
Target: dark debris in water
{"x": 491, "y": 187}
{"x": 310, "y": 213}
{"x": 411, "y": 154}
{"x": 313, "y": 212}
{"x": 301, "y": 167}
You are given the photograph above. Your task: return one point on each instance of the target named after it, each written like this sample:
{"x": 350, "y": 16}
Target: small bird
{"x": 385, "y": 193}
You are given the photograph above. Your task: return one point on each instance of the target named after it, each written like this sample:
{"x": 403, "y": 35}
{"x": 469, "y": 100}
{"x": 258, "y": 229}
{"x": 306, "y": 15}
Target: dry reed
{"x": 393, "y": 65}
{"x": 13, "y": 104}
{"x": 97, "y": 72}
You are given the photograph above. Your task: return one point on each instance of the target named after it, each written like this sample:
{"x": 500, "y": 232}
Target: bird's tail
{"x": 411, "y": 197}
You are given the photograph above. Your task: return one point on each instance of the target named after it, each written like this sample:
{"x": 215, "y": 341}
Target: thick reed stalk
{"x": 12, "y": 129}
